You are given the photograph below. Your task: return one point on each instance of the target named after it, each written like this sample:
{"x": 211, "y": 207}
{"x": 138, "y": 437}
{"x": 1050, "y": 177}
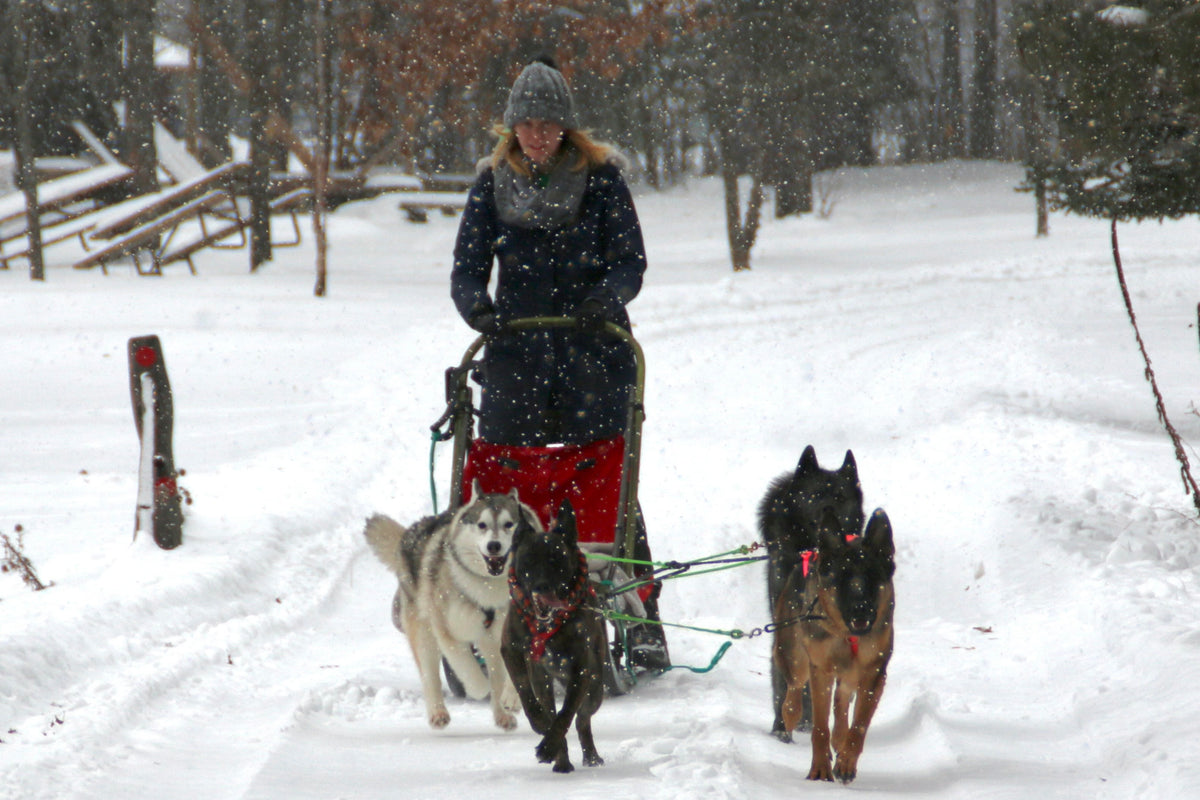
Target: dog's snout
{"x": 494, "y": 548}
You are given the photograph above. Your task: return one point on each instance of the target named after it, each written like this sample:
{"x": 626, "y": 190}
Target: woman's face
{"x": 539, "y": 139}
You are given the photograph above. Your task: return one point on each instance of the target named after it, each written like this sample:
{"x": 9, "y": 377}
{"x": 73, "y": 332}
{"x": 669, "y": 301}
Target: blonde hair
{"x": 590, "y": 153}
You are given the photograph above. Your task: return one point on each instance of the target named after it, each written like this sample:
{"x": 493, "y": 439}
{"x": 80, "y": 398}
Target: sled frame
{"x": 459, "y": 396}
{"x": 618, "y": 677}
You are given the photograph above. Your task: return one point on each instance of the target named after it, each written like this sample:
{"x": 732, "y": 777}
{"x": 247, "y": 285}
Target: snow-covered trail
{"x": 987, "y": 383}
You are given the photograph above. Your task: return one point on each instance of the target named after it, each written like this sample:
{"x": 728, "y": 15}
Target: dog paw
{"x": 846, "y": 769}
{"x": 592, "y": 760}
{"x": 821, "y": 772}
{"x": 439, "y": 718}
{"x": 564, "y": 766}
{"x": 506, "y": 721}
{"x": 782, "y": 735}
{"x": 510, "y": 701}
{"x": 548, "y": 751}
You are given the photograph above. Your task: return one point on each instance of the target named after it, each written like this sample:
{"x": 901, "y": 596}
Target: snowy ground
{"x": 988, "y": 383}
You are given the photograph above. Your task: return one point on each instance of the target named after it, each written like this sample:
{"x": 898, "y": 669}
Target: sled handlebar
{"x": 459, "y": 397}
{"x": 558, "y": 323}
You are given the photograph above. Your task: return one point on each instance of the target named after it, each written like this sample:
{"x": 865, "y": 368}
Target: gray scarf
{"x": 550, "y": 203}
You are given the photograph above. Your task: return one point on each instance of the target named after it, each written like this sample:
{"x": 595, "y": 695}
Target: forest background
{"x": 776, "y": 91}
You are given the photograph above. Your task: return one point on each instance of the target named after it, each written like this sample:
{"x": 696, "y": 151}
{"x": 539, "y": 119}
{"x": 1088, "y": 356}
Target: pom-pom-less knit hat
{"x": 540, "y": 92}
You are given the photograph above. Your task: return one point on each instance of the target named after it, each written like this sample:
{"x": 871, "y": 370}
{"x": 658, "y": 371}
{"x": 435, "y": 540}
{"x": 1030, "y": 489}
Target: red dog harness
{"x": 808, "y": 558}
{"x": 543, "y": 630}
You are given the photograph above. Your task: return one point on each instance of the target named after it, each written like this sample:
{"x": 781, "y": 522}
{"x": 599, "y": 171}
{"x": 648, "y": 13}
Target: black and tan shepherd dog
{"x": 835, "y": 634}
{"x": 789, "y": 519}
{"x": 554, "y": 634}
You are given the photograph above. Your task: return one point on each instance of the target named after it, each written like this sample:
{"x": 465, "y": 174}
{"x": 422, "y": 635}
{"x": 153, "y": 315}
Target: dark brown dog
{"x": 550, "y": 636}
{"x": 789, "y": 520}
{"x": 835, "y": 617}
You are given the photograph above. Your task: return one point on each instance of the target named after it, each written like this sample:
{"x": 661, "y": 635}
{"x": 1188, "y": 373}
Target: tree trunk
{"x": 983, "y": 98}
{"x": 259, "y": 187}
{"x": 324, "y": 147}
{"x": 215, "y": 96}
{"x": 742, "y": 232}
{"x": 794, "y": 195}
{"x": 25, "y": 149}
{"x": 951, "y": 138}
{"x": 140, "y": 82}
{"x": 857, "y": 148}
{"x": 792, "y": 177}
{"x": 1037, "y": 155}
{"x": 260, "y": 55}
{"x": 1043, "y": 208}
{"x": 295, "y": 34}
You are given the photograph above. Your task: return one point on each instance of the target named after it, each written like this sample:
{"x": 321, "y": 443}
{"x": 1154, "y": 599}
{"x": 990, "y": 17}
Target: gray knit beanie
{"x": 540, "y": 92}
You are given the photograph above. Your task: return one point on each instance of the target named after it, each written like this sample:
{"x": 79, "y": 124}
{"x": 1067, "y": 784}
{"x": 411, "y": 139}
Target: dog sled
{"x": 600, "y": 480}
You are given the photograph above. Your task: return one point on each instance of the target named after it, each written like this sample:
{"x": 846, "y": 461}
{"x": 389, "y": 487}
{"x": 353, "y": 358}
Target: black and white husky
{"x": 453, "y": 595}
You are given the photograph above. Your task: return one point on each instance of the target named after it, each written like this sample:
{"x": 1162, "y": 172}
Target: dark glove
{"x": 591, "y": 315}
{"x": 483, "y": 319}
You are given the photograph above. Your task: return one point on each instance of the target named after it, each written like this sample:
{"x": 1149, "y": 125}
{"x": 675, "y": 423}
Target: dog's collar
{"x": 820, "y": 599}
{"x": 542, "y": 630}
{"x": 809, "y": 558}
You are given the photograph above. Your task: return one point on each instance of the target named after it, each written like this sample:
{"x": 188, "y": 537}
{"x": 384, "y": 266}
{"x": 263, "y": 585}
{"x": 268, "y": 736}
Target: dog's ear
{"x": 526, "y": 529}
{"x": 849, "y": 465}
{"x": 878, "y": 537}
{"x": 528, "y": 525}
{"x": 565, "y": 524}
{"x": 476, "y": 492}
{"x": 808, "y": 461}
{"x": 531, "y": 518}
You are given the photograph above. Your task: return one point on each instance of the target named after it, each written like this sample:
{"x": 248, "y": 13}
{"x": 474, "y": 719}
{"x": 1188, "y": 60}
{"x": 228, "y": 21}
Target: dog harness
{"x": 808, "y": 558}
{"x": 543, "y": 630}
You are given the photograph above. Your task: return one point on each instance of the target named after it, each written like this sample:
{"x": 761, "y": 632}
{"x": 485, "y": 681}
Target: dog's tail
{"x": 383, "y": 534}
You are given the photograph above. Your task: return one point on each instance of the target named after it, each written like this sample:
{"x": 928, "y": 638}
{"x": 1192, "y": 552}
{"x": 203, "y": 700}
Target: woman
{"x": 550, "y": 206}
{"x": 552, "y": 209}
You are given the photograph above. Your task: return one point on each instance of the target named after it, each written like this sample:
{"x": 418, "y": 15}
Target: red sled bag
{"x": 588, "y": 475}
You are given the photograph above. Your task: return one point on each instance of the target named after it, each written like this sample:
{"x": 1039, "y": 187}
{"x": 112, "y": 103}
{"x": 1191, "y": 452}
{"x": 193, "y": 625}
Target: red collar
{"x": 543, "y": 629}
{"x": 808, "y": 559}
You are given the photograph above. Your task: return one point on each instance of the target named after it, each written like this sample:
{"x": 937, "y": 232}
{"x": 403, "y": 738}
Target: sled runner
{"x": 599, "y": 479}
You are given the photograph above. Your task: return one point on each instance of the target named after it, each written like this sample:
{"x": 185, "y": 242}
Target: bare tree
{"x": 28, "y": 58}
{"x": 139, "y": 94}
{"x": 324, "y": 48}
{"x": 952, "y": 112}
{"x": 984, "y": 123}
{"x": 262, "y": 29}
{"x": 211, "y": 22}
{"x": 794, "y": 87}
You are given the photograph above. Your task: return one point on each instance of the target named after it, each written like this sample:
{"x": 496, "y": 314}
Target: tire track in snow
{"x": 243, "y": 589}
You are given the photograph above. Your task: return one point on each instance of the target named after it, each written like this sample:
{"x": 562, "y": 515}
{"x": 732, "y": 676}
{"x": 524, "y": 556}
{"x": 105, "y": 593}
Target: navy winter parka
{"x": 562, "y": 386}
